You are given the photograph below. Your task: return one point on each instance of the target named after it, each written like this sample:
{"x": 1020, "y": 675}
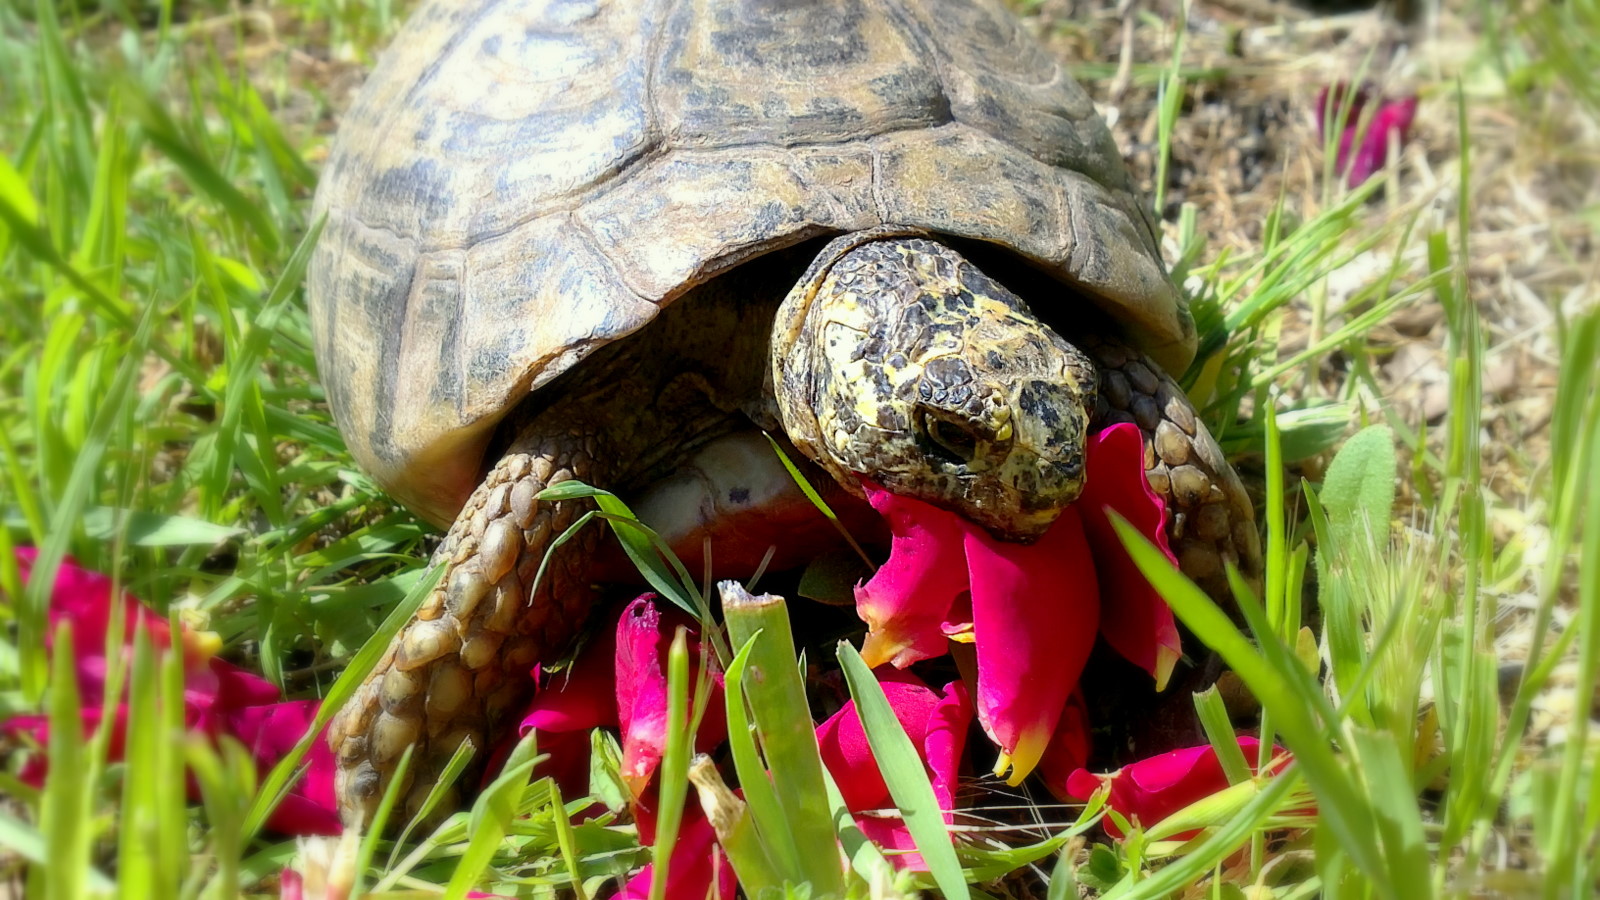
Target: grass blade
{"x": 491, "y": 817}
{"x": 787, "y": 736}
{"x": 903, "y": 772}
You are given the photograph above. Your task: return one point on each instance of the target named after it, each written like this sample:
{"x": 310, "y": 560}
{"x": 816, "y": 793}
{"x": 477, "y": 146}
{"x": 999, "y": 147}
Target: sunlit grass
{"x": 160, "y": 420}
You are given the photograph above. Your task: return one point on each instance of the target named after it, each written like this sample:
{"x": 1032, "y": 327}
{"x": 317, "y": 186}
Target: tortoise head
{"x": 896, "y": 360}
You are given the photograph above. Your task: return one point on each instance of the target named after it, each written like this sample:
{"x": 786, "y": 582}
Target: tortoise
{"x": 590, "y": 240}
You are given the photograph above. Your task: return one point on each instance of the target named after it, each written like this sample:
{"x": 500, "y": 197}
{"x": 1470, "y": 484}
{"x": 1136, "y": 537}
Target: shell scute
{"x": 787, "y": 74}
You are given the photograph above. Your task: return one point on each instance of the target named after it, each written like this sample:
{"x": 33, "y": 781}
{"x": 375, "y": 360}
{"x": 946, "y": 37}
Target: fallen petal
{"x": 1069, "y": 747}
{"x": 905, "y": 603}
{"x": 1391, "y": 123}
{"x": 269, "y": 732}
{"x": 1147, "y": 791}
{"x": 847, "y": 754}
{"x": 1134, "y": 618}
{"x": 644, "y": 639}
{"x": 1363, "y": 153}
{"x": 946, "y": 742}
{"x": 1035, "y": 615}
{"x": 219, "y": 698}
{"x": 697, "y": 865}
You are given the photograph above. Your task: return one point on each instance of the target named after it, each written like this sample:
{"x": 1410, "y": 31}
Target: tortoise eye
{"x": 950, "y": 440}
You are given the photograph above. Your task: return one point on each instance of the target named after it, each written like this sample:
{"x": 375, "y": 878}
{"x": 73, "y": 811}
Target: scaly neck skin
{"x": 695, "y": 373}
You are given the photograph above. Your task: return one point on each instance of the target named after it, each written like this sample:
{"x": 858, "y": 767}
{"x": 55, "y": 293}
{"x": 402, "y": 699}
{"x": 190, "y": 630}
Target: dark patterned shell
{"x": 523, "y": 181}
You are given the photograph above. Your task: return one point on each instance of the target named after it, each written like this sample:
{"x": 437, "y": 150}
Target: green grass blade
{"x": 69, "y": 511}
{"x": 805, "y": 487}
{"x": 903, "y": 771}
{"x": 1203, "y": 857}
{"x": 64, "y": 818}
{"x": 787, "y": 736}
{"x": 759, "y": 795}
{"x": 380, "y": 819}
{"x": 441, "y": 786}
{"x": 491, "y": 817}
{"x": 1386, "y": 778}
{"x": 143, "y": 806}
{"x": 673, "y": 775}
{"x": 566, "y": 841}
{"x": 866, "y": 860}
{"x": 1286, "y": 690}
{"x": 645, "y": 549}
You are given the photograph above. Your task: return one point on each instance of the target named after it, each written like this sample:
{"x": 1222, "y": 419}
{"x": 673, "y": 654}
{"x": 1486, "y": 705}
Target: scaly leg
{"x": 1210, "y": 519}
{"x": 461, "y": 669}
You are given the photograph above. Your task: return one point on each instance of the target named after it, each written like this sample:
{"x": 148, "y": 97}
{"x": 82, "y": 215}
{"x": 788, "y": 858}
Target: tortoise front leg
{"x": 1210, "y": 519}
{"x": 461, "y": 668}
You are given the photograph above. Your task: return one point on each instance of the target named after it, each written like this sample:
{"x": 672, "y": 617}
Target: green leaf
{"x": 1358, "y": 492}
{"x": 832, "y": 577}
{"x": 605, "y": 771}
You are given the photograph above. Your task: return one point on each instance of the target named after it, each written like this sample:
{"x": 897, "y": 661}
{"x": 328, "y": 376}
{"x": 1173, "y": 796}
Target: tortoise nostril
{"x": 950, "y": 440}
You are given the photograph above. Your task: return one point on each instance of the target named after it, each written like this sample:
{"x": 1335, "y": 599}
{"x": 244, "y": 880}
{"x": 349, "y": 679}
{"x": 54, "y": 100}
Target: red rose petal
{"x": 697, "y": 865}
{"x": 1135, "y": 620}
{"x": 905, "y": 603}
{"x": 1035, "y": 614}
{"x": 1151, "y": 789}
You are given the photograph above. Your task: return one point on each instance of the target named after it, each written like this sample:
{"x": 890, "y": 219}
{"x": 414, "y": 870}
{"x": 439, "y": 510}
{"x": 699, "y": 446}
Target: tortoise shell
{"x": 523, "y": 181}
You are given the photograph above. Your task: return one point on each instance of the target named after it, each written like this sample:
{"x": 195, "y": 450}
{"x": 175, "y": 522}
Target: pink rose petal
{"x": 1392, "y": 121}
{"x": 905, "y": 603}
{"x": 1134, "y": 618}
{"x": 698, "y": 868}
{"x": 270, "y": 732}
{"x": 946, "y": 741}
{"x": 1032, "y": 611}
{"x": 937, "y": 726}
{"x": 580, "y": 697}
{"x": 644, "y": 639}
{"x": 641, "y": 685}
{"x": 570, "y": 704}
{"x": 219, "y": 698}
{"x": 1069, "y": 746}
{"x": 845, "y": 751}
{"x": 1035, "y": 614}
{"x": 1147, "y": 791}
